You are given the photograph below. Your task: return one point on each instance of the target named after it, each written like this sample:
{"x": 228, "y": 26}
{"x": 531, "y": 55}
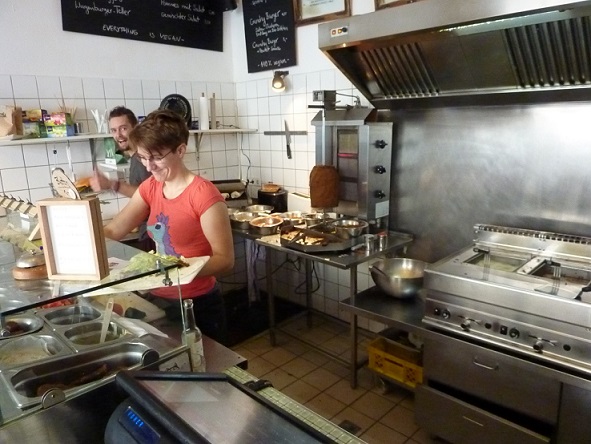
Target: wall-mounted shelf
{"x": 199, "y": 134}
{"x": 38, "y": 140}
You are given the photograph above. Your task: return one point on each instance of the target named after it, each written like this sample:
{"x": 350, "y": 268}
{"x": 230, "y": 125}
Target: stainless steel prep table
{"x": 348, "y": 260}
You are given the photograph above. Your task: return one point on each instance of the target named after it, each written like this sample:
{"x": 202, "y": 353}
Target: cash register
{"x": 173, "y": 407}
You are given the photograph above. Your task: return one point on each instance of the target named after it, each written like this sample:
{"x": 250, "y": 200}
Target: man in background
{"x": 121, "y": 122}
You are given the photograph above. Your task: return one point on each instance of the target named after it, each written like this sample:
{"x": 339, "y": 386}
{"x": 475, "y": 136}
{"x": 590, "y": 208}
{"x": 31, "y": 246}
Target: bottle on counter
{"x": 193, "y": 338}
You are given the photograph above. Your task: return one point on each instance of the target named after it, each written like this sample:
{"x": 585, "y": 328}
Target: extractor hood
{"x": 455, "y": 52}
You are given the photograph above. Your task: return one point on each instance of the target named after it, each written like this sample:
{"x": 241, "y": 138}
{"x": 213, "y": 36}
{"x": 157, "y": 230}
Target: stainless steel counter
{"x": 347, "y": 260}
{"x": 407, "y": 315}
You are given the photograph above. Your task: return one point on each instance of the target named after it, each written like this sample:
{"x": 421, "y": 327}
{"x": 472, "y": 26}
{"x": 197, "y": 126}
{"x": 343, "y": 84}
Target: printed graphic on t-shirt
{"x": 160, "y": 234}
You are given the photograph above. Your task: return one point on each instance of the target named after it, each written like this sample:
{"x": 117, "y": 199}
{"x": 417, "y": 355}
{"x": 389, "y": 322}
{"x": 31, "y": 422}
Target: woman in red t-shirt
{"x": 187, "y": 216}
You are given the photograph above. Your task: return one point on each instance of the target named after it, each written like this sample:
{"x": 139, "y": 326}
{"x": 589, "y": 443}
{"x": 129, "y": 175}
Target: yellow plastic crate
{"x": 396, "y": 361}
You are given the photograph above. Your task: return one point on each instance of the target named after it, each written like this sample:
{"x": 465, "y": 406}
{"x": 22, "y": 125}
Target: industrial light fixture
{"x": 278, "y": 83}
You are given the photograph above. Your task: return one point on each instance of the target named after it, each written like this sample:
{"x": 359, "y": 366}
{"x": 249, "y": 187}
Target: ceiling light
{"x": 278, "y": 83}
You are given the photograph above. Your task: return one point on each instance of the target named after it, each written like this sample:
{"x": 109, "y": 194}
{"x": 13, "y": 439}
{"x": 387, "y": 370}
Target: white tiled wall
{"x": 25, "y": 170}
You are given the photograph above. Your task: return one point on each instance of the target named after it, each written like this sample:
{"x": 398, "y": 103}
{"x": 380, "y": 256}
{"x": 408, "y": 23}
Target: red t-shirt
{"x": 175, "y": 227}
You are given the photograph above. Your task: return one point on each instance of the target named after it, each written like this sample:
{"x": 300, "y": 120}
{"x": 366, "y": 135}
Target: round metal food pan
{"x": 20, "y": 325}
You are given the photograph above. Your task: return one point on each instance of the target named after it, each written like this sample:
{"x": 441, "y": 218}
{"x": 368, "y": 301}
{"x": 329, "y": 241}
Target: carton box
{"x": 32, "y": 130}
{"x": 59, "y": 125}
{"x": 34, "y": 115}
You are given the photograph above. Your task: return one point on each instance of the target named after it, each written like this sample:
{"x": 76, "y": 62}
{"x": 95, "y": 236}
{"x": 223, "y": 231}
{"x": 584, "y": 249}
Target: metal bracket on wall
{"x": 283, "y": 133}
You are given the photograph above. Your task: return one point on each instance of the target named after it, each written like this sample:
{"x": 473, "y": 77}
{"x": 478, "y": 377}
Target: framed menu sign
{"x": 270, "y": 34}
{"x": 314, "y": 11}
{"x": 73, "y": 240}
{"x": 194, "y": 23}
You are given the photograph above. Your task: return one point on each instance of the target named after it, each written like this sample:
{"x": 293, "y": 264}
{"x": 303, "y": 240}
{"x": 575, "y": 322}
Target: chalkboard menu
{"x": 270, "y": 34}
{"x": 194, "y": 24}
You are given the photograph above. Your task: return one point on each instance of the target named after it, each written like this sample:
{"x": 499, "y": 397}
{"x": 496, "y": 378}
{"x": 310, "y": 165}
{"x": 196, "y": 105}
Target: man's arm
{"x": 100, "y": 182}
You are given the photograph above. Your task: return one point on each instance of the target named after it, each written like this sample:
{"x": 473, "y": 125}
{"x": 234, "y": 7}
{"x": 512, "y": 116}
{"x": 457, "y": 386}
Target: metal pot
{"x": 241, "y": 219}
{"x": 259, "y": 208}
{"x": 398, "y": 277}
{"x": 349, "y": 228}
{"x": 265, "y": 225}
{"x": 277, "y": 199}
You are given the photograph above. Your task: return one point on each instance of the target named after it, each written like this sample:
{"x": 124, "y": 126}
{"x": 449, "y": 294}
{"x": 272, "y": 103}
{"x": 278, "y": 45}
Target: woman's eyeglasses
{"x": 154, "y": 159}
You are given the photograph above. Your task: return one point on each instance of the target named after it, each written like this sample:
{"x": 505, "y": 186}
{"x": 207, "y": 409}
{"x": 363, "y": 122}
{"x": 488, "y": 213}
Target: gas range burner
{"x": 521, "y": 289}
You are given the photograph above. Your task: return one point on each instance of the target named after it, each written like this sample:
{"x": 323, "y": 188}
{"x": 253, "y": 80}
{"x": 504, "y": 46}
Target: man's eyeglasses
{"x": 155, "y": 159}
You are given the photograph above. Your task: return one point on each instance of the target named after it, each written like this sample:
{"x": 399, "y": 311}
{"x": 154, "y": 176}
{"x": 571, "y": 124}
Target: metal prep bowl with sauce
{"x": 398, "y": 277}
{"x": 241, "y": 219}
{"x": 265, "y": 225}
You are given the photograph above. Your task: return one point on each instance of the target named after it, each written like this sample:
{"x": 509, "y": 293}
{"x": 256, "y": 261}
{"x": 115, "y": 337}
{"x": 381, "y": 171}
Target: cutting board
{"x": 128, "y": 299}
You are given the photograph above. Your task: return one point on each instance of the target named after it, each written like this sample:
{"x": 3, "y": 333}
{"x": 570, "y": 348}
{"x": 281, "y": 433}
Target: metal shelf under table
{"x": 405, "y": 314}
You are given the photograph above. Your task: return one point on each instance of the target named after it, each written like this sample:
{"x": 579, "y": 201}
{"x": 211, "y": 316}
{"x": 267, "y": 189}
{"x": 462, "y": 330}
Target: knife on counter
{"x": 288, "y": 139}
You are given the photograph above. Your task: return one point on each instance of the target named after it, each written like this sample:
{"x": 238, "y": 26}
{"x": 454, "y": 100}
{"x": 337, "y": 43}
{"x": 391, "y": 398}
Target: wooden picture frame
{"x": 381, "y": 4}
{"x": 315, "y": 11}
{"x": 73, "y": 239}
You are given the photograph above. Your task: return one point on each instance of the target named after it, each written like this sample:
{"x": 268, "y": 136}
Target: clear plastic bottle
{"x": 193, "y": 338}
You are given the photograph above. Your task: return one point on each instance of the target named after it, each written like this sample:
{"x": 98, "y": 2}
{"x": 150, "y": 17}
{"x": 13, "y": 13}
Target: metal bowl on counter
{"x": 349, "y": 228}
{"x": 398, "y": 277}
{"x": 265, "y": 225}
{"x": 241, "y": 220}
{"x": 290, "y": 217}
{"x": 312, "y": 219}
{"x": 259, "y": 208}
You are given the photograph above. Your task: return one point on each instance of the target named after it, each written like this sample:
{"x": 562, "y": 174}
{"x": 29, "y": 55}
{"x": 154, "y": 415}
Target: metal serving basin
{"x": 73, "y": 314}
{"x": 30, "y": 349}
{"x": 88, "y": 334}
{"x": 49, "y": 382}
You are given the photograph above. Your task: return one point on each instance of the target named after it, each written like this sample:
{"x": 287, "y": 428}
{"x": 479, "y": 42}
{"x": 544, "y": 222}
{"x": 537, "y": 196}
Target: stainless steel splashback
{"x": 454, "y": 52}
{"x": 520, "y": 166}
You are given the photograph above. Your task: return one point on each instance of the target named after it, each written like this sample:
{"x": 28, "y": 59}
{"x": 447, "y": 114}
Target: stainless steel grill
{"x": 522, "y": 290}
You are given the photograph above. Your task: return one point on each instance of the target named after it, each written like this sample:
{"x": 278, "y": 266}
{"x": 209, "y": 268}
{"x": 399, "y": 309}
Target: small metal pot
{"x": 398, "y": 277}
{"x": 265, "y": 225}
{"x": 259, "y": 208}
{"x": 312, "y": 219}
{"x": 349, "y": 228}
{"x": 241, "y": 219}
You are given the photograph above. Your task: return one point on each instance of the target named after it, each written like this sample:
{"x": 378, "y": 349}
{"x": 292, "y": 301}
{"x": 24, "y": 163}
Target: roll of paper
{"x": 203, "y": 112}
{"x": 213, "y": 119}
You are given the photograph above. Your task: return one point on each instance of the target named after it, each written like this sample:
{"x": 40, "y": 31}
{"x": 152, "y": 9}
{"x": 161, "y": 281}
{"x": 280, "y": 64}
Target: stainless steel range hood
{"x": 454, "y": 52}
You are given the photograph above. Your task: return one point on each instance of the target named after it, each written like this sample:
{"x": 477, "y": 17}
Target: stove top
{"x": 518, "y": 288}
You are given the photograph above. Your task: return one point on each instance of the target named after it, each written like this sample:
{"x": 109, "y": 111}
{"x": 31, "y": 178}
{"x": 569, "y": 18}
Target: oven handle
{"x": 480, "y": 364}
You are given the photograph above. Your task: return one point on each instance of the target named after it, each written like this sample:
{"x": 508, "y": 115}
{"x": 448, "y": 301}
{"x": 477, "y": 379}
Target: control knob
{"x": 445, "y": 314}
{"x": 380, "y": 169}
{"x": 514, "y": 333}
{"x": 466, "y": 323}
{"x": 379, "y": 194}
{"x": 381, "y": 144}
{"x": 539, "y": 345}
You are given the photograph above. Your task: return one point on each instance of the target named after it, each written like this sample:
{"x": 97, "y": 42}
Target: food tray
{"x": 330, "y": 243}
{"x": 30, "y": 349}
{"x": 28, "y": 384}
{"x": 396, "y": 361}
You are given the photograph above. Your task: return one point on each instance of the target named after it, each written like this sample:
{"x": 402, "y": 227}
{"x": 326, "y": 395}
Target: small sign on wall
{"x": 73, "y": 239}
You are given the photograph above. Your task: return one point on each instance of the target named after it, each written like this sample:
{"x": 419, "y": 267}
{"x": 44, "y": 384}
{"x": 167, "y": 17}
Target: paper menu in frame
{"x": 314, "y": 11}
{"x": 73, "y": 239}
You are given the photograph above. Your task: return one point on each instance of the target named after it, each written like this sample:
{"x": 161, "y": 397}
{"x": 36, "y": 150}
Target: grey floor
{"x": 374, "y": 411}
